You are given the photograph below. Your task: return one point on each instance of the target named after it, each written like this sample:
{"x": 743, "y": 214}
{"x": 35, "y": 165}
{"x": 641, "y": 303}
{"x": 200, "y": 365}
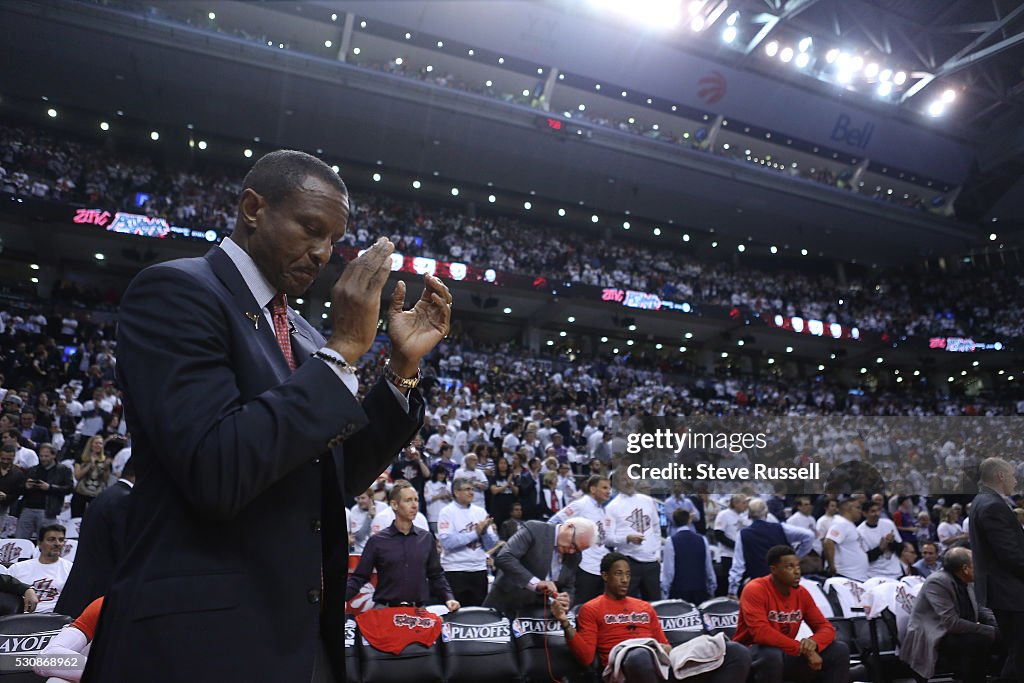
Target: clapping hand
{"x": 355, "y": 301}
{"x": 416, "y": 331}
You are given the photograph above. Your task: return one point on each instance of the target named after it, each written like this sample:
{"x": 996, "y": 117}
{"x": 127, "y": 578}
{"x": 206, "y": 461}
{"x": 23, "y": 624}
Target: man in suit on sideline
{"x": 540, "y": 560}
{"x": 246, "y": 433}
{"x": 947, "y": 620}
{"x": 100, "y": 545}
{"x": 997, "y": 540}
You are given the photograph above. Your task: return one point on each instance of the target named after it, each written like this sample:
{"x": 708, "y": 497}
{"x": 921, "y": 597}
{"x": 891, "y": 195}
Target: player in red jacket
{"x": 771, "y": 611}
{"x": 609, "y": 619}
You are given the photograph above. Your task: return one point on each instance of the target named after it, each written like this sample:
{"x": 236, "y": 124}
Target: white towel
{"x": 696, "y": 656}
{"x": 612, "y": 673}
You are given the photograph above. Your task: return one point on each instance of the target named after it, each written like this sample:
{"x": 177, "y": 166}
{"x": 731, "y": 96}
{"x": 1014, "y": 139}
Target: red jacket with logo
{"x": 767, "y": 617}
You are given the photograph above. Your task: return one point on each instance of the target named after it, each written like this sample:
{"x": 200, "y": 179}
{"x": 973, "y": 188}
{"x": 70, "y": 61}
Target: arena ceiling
{"x": 427, "y": 133}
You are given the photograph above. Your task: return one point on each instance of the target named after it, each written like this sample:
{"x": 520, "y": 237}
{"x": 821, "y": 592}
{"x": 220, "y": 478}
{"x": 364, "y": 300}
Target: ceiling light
{"x": 771, "y": 49}
{"x": 900, "y": 78}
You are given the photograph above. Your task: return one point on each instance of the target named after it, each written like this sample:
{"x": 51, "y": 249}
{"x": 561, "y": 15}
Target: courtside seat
{"x": 817, "y": 592}
{"x": 720, "y": 615}
{"x": 539, "y": 639}
{"x": 478, "y": 647}
{"x": 352, "y": 673}
{"x": 680, "y": 620}
{"x": 415, "y": 664}
{"x": 26, "y": 634}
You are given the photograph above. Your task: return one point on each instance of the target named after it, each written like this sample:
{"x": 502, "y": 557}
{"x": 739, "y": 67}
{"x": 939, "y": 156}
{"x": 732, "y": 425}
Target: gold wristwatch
{"x": 399, "y": 381}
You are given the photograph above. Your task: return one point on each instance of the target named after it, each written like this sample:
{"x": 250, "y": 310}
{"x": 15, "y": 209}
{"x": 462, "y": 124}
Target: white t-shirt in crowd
{"x": 464, "y": 550}
{"x": 357, "y": 517}
{"x": 888, "y": 563}
{"x": 731, "y": 522}
{"x": 26, "y": 458}
{"x": 636, "y": 514}
{"x": 803, "y": 521}
{"x": 851, "y": 556}
{"x": 46, "y": 579}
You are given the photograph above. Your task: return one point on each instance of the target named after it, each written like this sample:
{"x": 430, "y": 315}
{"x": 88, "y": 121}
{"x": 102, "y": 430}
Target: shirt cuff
{"x": 402, "y": 399}
{"x": 346, "y": 374}
{"x": 533, "y": 582}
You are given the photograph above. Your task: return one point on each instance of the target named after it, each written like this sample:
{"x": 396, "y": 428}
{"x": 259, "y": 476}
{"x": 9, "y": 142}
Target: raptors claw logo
{"x": 711, "y": 87}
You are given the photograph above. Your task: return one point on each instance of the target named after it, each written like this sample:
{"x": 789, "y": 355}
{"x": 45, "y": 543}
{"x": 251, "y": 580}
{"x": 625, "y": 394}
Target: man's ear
{"x": 250, "y": 207}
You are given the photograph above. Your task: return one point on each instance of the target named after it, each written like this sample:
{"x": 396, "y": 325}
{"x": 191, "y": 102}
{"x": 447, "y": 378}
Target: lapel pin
{"x": 255, "y": 318}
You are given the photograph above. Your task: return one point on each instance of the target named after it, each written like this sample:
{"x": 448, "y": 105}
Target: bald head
{"x": 757, "y": 509}
{"x": 960, "y": 563}
{"x": 998, "y": 475}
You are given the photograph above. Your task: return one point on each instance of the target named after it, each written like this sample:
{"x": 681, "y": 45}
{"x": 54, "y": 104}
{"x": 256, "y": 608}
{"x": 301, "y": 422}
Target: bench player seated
{"x": 611, "y": 618}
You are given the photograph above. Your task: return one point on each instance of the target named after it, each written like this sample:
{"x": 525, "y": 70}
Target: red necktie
{"x": 554, "y": 501}
{"x": 279, "y": 314}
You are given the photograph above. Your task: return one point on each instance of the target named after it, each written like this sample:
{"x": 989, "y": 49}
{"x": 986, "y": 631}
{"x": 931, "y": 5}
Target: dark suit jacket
{"x": 528, "y": 554}
{"x": 100, "y": 546}
{"x": 237, "y": 515}
{"x": 934, "y": 617}
{"x": 997, "y": 541}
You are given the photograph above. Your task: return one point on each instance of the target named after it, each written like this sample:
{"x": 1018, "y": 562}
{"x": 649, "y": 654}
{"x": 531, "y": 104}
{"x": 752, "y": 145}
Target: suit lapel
{"x": 248, "y": 310}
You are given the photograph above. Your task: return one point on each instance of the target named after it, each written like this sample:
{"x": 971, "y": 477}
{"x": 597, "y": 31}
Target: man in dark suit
{"x": 540, "y": 560}
{"x": 948, "y": 621}
{"x": 235, "y": 563}
{"x": 997, "y": 540}
{"x": 100, "y": 545}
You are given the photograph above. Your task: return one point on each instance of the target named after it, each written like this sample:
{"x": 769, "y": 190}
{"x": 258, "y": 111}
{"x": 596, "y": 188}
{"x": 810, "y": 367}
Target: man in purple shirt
{"x": 405, "y": 557}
